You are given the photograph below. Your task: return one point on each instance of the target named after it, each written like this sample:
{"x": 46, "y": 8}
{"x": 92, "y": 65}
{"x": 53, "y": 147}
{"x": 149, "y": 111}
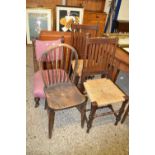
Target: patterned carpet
{"x": 68, "y": 136}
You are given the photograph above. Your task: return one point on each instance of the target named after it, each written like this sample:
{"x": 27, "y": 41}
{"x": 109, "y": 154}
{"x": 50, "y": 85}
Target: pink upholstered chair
{"x": 39, "y": 48}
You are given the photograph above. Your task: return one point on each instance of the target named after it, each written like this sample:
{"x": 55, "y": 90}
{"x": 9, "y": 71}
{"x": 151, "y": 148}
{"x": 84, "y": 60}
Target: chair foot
{"x": 51, "y": 115}
{"x": 36, "y": 99}
{"x": 91, "y": 115}
{"x": 118, "y": 117}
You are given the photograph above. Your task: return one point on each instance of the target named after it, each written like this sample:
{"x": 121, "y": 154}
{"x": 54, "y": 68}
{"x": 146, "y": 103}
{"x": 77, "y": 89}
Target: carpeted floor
{"x": 68, "y": 136}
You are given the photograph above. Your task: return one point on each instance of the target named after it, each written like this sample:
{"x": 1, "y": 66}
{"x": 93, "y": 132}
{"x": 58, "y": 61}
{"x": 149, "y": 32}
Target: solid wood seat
{"x": 103, "y": 92}
{"x": 63, "y": 95}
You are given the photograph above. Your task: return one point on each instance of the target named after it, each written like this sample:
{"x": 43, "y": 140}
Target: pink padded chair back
{"x": 42, "y": 46}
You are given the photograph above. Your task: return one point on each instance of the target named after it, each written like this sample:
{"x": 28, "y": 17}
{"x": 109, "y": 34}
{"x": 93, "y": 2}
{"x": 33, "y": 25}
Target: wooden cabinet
{"x": 94, "y": 18}
{"x": 89, "y": 5}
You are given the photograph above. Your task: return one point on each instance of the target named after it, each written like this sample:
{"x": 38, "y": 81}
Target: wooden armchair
{"x": 58, "y": 78}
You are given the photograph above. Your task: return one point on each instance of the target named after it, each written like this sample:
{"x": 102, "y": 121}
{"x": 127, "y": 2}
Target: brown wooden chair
{"x": 78, "y": 36}
{"x": 103, "y": 92}
{"x": 58, "y": 77}
{"x": 99, "y": 51}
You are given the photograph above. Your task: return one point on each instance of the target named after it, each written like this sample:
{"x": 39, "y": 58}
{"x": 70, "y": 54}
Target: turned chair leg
{"x": 91, "y": 115}
{"x": 36, "y": 99}
{"x": 126, "y": 113}
{"x": 118, "y": 117}
{"x": 83, "y": 114}
{"x": 51, "y": 115}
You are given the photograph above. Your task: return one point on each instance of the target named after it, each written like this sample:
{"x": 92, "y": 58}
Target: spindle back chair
{"x": 58, "y": 78}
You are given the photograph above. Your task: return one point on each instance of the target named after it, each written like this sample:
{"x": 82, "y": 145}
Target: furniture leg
{"x": 36, "y": 99}
{"x": 126, "y": 113}
{"x": 91, "y": 115}
{"x": 51, "y": 115}
{"x": 118, "y": 117}
{"x": 83, "y": 114}
{"x": 45, "y": 104}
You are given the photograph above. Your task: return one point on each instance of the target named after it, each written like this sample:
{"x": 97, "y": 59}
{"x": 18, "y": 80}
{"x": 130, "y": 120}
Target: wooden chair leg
{"x": 45, "y": 104}
{"x": 126, "y": 113}
{"x": 83, "y": 114}
{"x": 51, "y": 115}
{"x": 118, "y": 117}
{"x": 36, "y": 99}
{"x": 91, "y": 115}
{"x": 76, "y": 81}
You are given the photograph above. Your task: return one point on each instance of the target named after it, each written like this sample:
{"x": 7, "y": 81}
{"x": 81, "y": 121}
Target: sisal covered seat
{"x": 103, "y": 92}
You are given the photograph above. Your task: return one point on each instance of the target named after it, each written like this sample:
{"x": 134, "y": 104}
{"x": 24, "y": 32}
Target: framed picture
{"x": 66, "y": 15}
{"x": 36, "y": 20}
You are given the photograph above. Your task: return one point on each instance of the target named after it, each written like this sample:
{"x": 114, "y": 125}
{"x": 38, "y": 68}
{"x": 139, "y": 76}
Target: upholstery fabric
{"x": 42, "y": 46}
{"x": 54, "y": 76}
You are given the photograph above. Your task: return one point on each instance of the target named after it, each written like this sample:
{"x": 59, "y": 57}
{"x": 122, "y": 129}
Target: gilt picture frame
{"x": 67, "y": 15}
{"x": 37, "y": 19}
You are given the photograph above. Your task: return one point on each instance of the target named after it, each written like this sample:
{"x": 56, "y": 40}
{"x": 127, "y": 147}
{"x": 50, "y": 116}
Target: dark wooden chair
{"x": 103, "y": 92}
{"x": 60, "y": 90}
{"x": 78, "y": 36}
{"x": 99, "y": 51}
{"x": 39, "y": 46}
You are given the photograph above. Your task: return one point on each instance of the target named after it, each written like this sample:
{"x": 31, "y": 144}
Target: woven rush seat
{"x": 63, "y": 95}
{"x": 103, "y": 92}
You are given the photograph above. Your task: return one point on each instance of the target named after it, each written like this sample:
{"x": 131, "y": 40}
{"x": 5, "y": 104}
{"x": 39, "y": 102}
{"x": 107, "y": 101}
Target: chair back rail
{"x": 99, "y": 56}
{"x": 55, "y": 64}
{"x": 78, "y": 36}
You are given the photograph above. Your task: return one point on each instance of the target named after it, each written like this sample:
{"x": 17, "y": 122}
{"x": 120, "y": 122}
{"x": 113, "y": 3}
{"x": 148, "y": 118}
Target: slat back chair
{"x": 98, "y": 57}
{"x": 39, "y": 47}
{"x": 58, "y": 77}
{"x": 78, "y": 37}
{"x": 104, "y": 93}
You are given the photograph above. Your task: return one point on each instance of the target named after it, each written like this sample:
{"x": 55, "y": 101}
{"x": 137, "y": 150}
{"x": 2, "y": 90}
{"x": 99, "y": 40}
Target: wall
{"x": 124, "y": 11}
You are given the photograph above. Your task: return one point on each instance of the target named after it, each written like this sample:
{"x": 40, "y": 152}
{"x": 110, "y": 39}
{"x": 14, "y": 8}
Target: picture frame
{"x": 67, "y": 15}
{"x": 37, "y": 19}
